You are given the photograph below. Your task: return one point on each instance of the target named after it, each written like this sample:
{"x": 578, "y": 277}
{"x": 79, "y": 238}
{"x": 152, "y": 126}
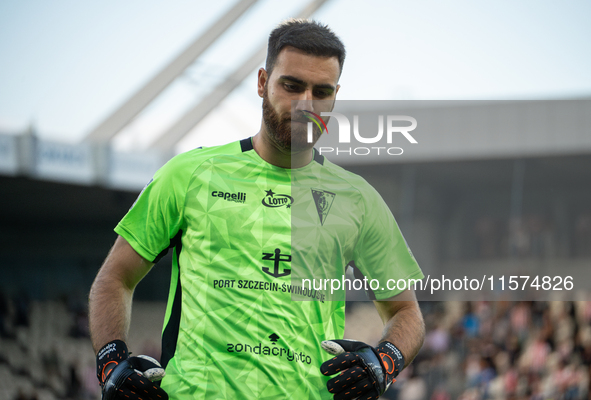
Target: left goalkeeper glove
{"x": 365, "y": 371}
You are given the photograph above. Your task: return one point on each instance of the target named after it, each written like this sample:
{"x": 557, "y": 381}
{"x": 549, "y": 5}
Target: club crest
{"x": 323, "y": 201}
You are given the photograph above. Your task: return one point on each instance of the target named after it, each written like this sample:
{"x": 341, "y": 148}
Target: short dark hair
{"x": 309, "y": 36}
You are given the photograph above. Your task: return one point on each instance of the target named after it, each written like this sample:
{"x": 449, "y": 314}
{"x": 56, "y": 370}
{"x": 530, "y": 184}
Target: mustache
{"x": 298, "y": 117}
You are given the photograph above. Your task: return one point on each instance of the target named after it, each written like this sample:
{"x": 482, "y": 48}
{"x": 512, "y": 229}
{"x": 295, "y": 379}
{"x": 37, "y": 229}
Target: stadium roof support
{"x": 183, "y": 126}
{"x": 107, "y": 129}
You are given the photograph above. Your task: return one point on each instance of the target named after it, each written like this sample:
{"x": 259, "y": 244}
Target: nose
{"x": 304, "y": 102}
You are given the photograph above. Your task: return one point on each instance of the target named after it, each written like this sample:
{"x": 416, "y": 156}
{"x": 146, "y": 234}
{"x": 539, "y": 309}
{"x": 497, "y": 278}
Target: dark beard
{"x": 280, "y": 129}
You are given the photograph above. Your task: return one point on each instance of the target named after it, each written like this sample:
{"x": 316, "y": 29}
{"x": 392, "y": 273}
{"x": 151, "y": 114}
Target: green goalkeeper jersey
{"x": 241, "y": 322}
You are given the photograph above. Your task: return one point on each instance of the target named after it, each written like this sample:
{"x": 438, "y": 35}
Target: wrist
{"x": 391, "y": 358}
{"x": 108, "y": 357}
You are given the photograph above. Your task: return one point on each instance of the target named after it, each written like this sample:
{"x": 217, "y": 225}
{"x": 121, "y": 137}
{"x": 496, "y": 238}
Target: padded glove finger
{"x": 139, "y": 387}
{"x": 359, "y": 390}
{"x": 347, "y": 379}
{"x": 148, "y": 367}
{"x": 339, "y": 363}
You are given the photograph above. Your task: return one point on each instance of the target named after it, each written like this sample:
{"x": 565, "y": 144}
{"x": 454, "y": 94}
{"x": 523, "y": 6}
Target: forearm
{"x": 406, "y": 330}
{"x": 110, "y": 297}
{"x": 109, "y": 306}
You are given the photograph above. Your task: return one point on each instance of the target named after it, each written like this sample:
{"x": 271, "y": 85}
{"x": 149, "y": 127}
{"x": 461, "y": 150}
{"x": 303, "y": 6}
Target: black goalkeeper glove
{"x": 365, "y": 371}
{"x": 129, "y": 378}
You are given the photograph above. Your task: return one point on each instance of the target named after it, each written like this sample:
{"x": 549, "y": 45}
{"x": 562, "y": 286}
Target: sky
{"x": 65, "y": 65}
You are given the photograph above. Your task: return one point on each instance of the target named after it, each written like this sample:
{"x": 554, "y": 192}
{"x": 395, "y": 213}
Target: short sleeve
{"x": 157, "y": 215}
{"x": 381, "y": 252}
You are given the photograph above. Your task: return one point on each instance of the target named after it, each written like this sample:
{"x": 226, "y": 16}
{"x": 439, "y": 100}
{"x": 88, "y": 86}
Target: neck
{"x": 274, "y": 155}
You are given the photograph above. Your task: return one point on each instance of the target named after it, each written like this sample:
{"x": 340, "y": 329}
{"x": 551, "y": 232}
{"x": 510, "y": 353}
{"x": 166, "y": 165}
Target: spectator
{"x": 437, "y": 340}
{"x": 470, "y": 323}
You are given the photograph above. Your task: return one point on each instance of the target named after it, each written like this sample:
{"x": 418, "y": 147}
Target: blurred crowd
{"x": 501, "y": 351}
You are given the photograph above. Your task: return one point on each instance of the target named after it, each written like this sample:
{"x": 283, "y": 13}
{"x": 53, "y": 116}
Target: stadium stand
{"x": 50, "y": 358}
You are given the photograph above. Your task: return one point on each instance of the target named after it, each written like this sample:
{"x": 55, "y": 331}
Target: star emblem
{"x": 269, "y": 193}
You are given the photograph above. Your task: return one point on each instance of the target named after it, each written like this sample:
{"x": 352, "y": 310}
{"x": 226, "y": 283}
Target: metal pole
{"x": 107, "y": 129}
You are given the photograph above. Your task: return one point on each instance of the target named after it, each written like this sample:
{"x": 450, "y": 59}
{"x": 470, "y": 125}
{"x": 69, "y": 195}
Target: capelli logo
{"x": 392, "y": 127}
{"x": 239, "y": 197}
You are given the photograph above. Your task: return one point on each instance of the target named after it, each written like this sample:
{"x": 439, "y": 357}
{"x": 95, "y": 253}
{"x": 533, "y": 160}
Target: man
{"x": 231, "y": 328}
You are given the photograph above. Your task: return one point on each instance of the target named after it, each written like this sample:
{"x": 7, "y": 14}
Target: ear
{"x": 262, "y": 81}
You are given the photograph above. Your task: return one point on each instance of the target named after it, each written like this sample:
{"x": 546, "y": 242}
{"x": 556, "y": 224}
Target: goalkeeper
{"x": 232, "y": 330}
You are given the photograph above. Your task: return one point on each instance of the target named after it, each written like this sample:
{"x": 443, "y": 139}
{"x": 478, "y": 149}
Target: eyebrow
{"x": 301, "y": 82}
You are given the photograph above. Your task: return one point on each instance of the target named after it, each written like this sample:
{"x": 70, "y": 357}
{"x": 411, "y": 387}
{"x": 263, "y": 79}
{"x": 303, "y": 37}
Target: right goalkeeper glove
{"x": 124, "y": 377}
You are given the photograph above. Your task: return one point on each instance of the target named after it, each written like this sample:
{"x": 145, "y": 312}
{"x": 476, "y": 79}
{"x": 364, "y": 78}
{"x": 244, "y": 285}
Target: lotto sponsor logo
{"x": 274, "y": 200}
{"x": 239, "y": 197}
